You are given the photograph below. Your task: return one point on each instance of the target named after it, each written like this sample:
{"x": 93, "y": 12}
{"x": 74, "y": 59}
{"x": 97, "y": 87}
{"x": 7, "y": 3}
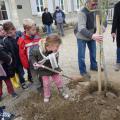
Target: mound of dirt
{"x": 84, "y": 104}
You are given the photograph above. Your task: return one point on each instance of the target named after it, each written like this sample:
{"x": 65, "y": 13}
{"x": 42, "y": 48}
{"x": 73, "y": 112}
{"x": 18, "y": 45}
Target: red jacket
{"x": 25, "y": 42}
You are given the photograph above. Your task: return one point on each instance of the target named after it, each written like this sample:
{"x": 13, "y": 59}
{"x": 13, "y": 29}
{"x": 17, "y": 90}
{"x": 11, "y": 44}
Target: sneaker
{"x": 64, "y": 94}
{"x": 46, "y": 100}
{"x": 24, "y": 86}
{"x": 14, "y": 95}
{"x": 117, "y": 67}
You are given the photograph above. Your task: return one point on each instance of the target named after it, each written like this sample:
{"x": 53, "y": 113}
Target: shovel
{"x": 77, "y": 78}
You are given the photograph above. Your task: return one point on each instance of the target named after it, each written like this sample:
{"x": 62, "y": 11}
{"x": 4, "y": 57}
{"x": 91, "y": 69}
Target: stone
{"x": 89, "y": 97}
{"x": 118, "y": 108}
{"x": 111, "y": 95}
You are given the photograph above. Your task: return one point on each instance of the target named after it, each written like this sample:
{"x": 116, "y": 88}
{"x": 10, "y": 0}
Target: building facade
{"x": 17, "y": 10}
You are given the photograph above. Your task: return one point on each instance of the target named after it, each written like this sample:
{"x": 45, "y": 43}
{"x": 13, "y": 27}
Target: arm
{"x": 43, "y": 18}
{"x": 82, "y": 26}
{"x": 115, "y": 20}
{"x": 4, "y": 57}
{"x": 23, "y": 53}
{"x": 51, "y": 18}
{"x": 54, "y": 16}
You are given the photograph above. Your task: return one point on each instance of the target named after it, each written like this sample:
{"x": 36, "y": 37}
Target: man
{"x": 47, "y": 21}
{"x": 116, "y": 33}
{"x": 59, "y": 18}
{"x": 86, "y": 36}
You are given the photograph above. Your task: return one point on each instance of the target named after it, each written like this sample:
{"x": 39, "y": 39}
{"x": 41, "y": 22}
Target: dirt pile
{"x": 84, "y": 104}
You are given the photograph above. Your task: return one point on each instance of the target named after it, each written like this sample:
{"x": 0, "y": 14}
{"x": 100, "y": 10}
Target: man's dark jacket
{"x": 47, "y": 18}
{"x": 116, "y": 23}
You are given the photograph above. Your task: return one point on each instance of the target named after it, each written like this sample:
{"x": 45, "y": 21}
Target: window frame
{"x": 7, "y": 10}
{"x": 38, "y": 3}
{"x": 62, "y": 6}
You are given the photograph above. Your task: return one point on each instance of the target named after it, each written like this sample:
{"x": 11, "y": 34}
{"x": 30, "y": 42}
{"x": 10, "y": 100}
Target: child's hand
{"x": 36, "y": 65}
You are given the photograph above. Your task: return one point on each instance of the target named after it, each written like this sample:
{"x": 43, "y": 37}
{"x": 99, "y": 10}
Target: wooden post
{"x": 99, "y": 54}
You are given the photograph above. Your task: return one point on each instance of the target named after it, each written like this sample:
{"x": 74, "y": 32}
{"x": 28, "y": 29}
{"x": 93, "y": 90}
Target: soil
{"x": 84, "y": 104}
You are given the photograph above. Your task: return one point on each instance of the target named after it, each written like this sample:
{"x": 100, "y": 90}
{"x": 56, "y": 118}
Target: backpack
{"x": 76, "y": 28}
{"x": 59, "y": 17}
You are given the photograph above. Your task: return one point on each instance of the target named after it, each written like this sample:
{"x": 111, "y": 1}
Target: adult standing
{"x": 86, "y": 36}
{"x": 59, "y": 18}
{"x": 116, "y": 33}
{"x": 47, "y": 20}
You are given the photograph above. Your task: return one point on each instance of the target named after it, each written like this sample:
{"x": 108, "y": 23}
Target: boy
{"x": 11, "y": 44}
{"x": 28, "y": 40}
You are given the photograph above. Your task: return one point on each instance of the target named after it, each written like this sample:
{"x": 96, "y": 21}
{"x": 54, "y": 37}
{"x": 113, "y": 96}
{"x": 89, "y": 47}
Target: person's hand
{"x": 36, "y": 65}
{"x": 97, "y": 37}
{"x": 113, "y": 36}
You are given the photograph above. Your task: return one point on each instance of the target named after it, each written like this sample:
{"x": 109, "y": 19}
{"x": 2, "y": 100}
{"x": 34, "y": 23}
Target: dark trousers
{"x": 9, "y": 87}
{"x": 20, "y": 73}
{"x": 29, "y": 75}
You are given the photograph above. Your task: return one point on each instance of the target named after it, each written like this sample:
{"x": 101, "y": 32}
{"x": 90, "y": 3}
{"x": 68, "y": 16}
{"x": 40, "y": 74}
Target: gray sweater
{"x": 86, "y": 24}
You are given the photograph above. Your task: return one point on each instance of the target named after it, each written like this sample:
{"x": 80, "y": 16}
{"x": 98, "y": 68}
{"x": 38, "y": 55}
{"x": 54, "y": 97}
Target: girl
{"x": 48, "y": 56}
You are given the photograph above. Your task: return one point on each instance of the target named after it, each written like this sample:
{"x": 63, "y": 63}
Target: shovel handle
{"x": 55, "y": 71}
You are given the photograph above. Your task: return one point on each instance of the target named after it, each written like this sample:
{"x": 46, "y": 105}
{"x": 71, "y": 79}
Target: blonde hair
{"x": 28, "y": 23}
{"x": 51, "y": 39}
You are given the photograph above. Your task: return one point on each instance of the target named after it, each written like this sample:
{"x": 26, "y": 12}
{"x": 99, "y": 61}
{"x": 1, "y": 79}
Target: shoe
{"x": 14, "y": 95}
{"x": 117, "y": 67}
{"x": 24, "y": 86}
{"x": 86, "y": 76}
{"x": 63, "y": 93}
{"x": 96, "y": 69}
{"x": 46, "y": 100}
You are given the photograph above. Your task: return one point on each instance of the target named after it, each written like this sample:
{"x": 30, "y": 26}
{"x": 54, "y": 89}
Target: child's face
{"x": 2, "y": 32}
{"x": 32, "y": 30}
{"x": 11, "y": 33}
{"x": 53, "y": 47}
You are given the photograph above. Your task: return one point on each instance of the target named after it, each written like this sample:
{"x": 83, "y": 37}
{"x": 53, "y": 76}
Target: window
{"x": 3, "y": 11}
{"x": 61, "y": 2}
{"x": 40, "y": 5}
{"x": 78, "y": 4}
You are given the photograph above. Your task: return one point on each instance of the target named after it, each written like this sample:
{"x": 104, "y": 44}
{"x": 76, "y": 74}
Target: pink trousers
{"x": 46, "y": 83}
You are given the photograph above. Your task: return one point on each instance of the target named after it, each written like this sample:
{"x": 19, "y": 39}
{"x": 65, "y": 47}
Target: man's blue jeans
{"x": 81, "y": 54}
{"x": 49, "y": 29}
{"x": 118, "y": 55}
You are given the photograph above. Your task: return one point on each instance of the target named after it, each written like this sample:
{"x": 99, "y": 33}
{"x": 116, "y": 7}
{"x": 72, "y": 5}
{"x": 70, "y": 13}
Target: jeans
{"x": 81, "y": 55}
{"x": 118, "y": 55}
{"x": 60, "y": 28}
{"x": 49, "y": 29}
{"x": 46, "y": 84}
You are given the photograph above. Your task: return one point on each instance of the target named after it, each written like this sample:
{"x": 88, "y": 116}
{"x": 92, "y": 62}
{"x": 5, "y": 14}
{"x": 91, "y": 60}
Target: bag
{"x": 76, "y": 28}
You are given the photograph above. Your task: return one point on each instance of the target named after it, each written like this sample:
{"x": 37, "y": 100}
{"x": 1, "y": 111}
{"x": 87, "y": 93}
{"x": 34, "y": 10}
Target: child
{"x": 49, "y": 58}
{"x": 29, "y": 39}
{"x": 6, "y": 72}
{"x": 2, "y": 32}
{"x": 10, "y": 43}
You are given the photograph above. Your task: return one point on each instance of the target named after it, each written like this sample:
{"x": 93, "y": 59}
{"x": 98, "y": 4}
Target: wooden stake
{"x": 99, "y": 54}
